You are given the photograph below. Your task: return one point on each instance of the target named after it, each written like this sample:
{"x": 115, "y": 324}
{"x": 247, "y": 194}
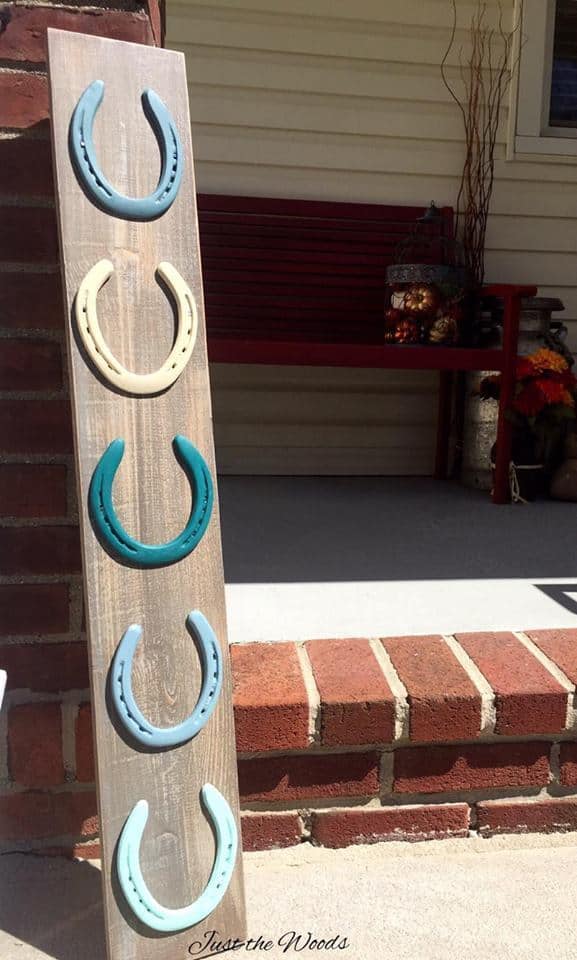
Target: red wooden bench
{"x": 302, "y": 282}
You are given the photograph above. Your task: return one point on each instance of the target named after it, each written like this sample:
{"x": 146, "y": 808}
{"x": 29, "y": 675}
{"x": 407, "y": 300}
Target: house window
{"x": 546, "y": 121}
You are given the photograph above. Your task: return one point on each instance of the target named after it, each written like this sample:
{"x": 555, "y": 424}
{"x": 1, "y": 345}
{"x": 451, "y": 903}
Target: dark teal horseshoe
{"x": 129, "y": 713}
{"x": 112, "y": 534}
{"x": 93, "y": 181}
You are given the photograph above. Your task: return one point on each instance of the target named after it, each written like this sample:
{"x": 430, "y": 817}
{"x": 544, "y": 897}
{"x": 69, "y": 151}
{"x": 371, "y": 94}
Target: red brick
{"x": 75, "y": 851}
{"x": 357, "y": 704}
{"x": 39, "y": 550}
{"x": 299, "y": 777}
{"x": 35, "y": 744}
{"x": 271, "y": 709}
{"x": 270, "y": 831}
{"x": 33, "y": 608}
{"x": 84, "y": 745}
{"x": 31, "y": 301}
{"x": 30, "y": 365}
{"x": 45, "y": 668}
{"x": 35, "y": 426}
{"x": 26, "y": 165}
{"x": 24, "y": 34}
{"x": 528, "y": 699}
{"x": 23, "y": 99}
{"x": 28, "y": 235}
{"x": 39, "y": 815}
{"x": 535, "y": 816}
{"x": 443, "y": 701}
{"x": 86, "y": 851}
{"x": 340, "y": 828}
{"x": 32, "y": 490}
{"x": 561, "y": 647}
{"x": 568, "y": 764}
{"x": 471, "y": 767}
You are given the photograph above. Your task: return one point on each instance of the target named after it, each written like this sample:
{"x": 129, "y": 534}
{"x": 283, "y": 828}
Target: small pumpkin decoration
{"x": 421, "y": 300}
{"x": 444, "y": 329}
{"x": 407, "y": 331}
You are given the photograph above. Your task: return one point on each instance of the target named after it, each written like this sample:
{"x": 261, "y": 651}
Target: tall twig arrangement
{"x": 484, "y": 78}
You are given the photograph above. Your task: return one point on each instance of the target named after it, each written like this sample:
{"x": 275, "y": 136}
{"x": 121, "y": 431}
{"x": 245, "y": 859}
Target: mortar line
{"x": 488, "y": 709}
{"x": 556, "y": 673}
{"x": 313, "y": 695}
{"x": 400, "y": 692}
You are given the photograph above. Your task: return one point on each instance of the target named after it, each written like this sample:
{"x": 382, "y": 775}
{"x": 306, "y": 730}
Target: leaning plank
{"x": 151, "y": 492}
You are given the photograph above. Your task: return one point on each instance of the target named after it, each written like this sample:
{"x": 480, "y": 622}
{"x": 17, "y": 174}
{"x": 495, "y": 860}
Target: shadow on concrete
{"x": 559, "y": 592}
{"x": 55, "y": 908}
{"x": 335, "y": 529}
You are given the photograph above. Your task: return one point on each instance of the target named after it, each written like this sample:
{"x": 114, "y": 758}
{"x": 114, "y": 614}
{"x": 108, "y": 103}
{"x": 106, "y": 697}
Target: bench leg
{"x": 501, "y": 491}
{"x": 443, "y": 424}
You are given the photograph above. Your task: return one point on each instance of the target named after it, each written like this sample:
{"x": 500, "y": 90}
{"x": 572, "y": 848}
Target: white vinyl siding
{"x": 328, "y": 99}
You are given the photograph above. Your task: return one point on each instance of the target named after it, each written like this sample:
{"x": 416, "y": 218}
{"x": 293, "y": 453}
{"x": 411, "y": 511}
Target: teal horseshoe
{"x": 93, "y": 181}
{"x": 127, "y": 710}
{"x": 112, "y": 534}
{"x": 136, "y": 893}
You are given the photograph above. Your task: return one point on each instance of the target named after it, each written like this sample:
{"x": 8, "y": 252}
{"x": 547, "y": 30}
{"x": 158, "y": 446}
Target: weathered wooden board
{"x": 151, "y": 493}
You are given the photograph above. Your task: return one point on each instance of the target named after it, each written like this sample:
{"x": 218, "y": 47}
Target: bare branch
{"x": 485, "y": 78}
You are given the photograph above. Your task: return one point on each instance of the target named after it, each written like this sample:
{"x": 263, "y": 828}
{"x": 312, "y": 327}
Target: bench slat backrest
{"x": 303, "y": 269}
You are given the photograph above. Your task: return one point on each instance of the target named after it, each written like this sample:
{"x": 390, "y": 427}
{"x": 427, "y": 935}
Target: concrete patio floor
{"x": 508, "y": 898}
{"x": 309, "y": 557}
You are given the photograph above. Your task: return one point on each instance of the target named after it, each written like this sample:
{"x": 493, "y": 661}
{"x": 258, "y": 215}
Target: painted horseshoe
{"x": 112, "y": 534}
{"x": 93, "y": 181}
{"x": 143, "y": 384}
{"x": 128, "y": 711}
{"x": 139, "y": 898}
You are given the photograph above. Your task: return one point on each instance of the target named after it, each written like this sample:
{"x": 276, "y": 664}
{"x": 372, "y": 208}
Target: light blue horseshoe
{"x": 128, "y": 711}
{"x": 93, "y": 181}
{"x": 138, "y": 896}
{"x": 112, "y": 534}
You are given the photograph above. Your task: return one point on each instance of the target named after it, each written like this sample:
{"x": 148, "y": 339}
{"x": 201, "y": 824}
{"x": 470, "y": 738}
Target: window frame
{"x": 530, "y": 132}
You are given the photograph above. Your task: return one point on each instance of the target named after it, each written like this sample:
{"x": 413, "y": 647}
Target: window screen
{"x": 563, "y": 106}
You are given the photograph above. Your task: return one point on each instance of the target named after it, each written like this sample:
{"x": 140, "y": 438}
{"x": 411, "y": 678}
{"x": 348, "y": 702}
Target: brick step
{"x": 426, "y": 689}
{"x": 339, "y": 741}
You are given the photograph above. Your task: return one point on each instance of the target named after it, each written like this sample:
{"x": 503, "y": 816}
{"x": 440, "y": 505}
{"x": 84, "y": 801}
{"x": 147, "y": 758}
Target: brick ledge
{"x": 429, "y": 689}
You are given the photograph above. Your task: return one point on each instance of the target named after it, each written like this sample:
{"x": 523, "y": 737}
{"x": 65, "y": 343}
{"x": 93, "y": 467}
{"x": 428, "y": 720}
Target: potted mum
{"x": 542, "y": 410}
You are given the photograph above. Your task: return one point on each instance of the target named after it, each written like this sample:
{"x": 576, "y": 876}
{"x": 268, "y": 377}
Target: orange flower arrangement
{"x": 543, "y": 379}
{"x": 544, "y": 398}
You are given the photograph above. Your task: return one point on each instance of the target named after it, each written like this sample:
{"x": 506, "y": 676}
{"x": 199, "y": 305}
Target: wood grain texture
{"x": 151, "y": 492}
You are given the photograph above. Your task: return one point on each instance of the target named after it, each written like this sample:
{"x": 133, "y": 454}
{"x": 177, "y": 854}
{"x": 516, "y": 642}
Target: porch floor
{"x": 311, "y": 557}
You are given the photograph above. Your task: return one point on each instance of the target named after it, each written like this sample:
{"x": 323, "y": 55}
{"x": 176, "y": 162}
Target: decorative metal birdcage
{"x": 426, "y": 287}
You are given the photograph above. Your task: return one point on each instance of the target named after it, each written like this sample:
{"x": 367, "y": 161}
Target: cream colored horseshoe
{"x": 143, "y": 384}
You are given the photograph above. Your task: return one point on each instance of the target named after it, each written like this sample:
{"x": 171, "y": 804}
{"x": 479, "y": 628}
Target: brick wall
{"x": 43, "y": 786}
{"x": 340, "y": 742}
{"x": 406, "y": 738}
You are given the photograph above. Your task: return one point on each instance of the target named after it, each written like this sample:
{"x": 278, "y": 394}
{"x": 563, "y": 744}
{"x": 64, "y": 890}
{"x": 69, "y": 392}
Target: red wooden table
{"x": 297, "y": 282}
